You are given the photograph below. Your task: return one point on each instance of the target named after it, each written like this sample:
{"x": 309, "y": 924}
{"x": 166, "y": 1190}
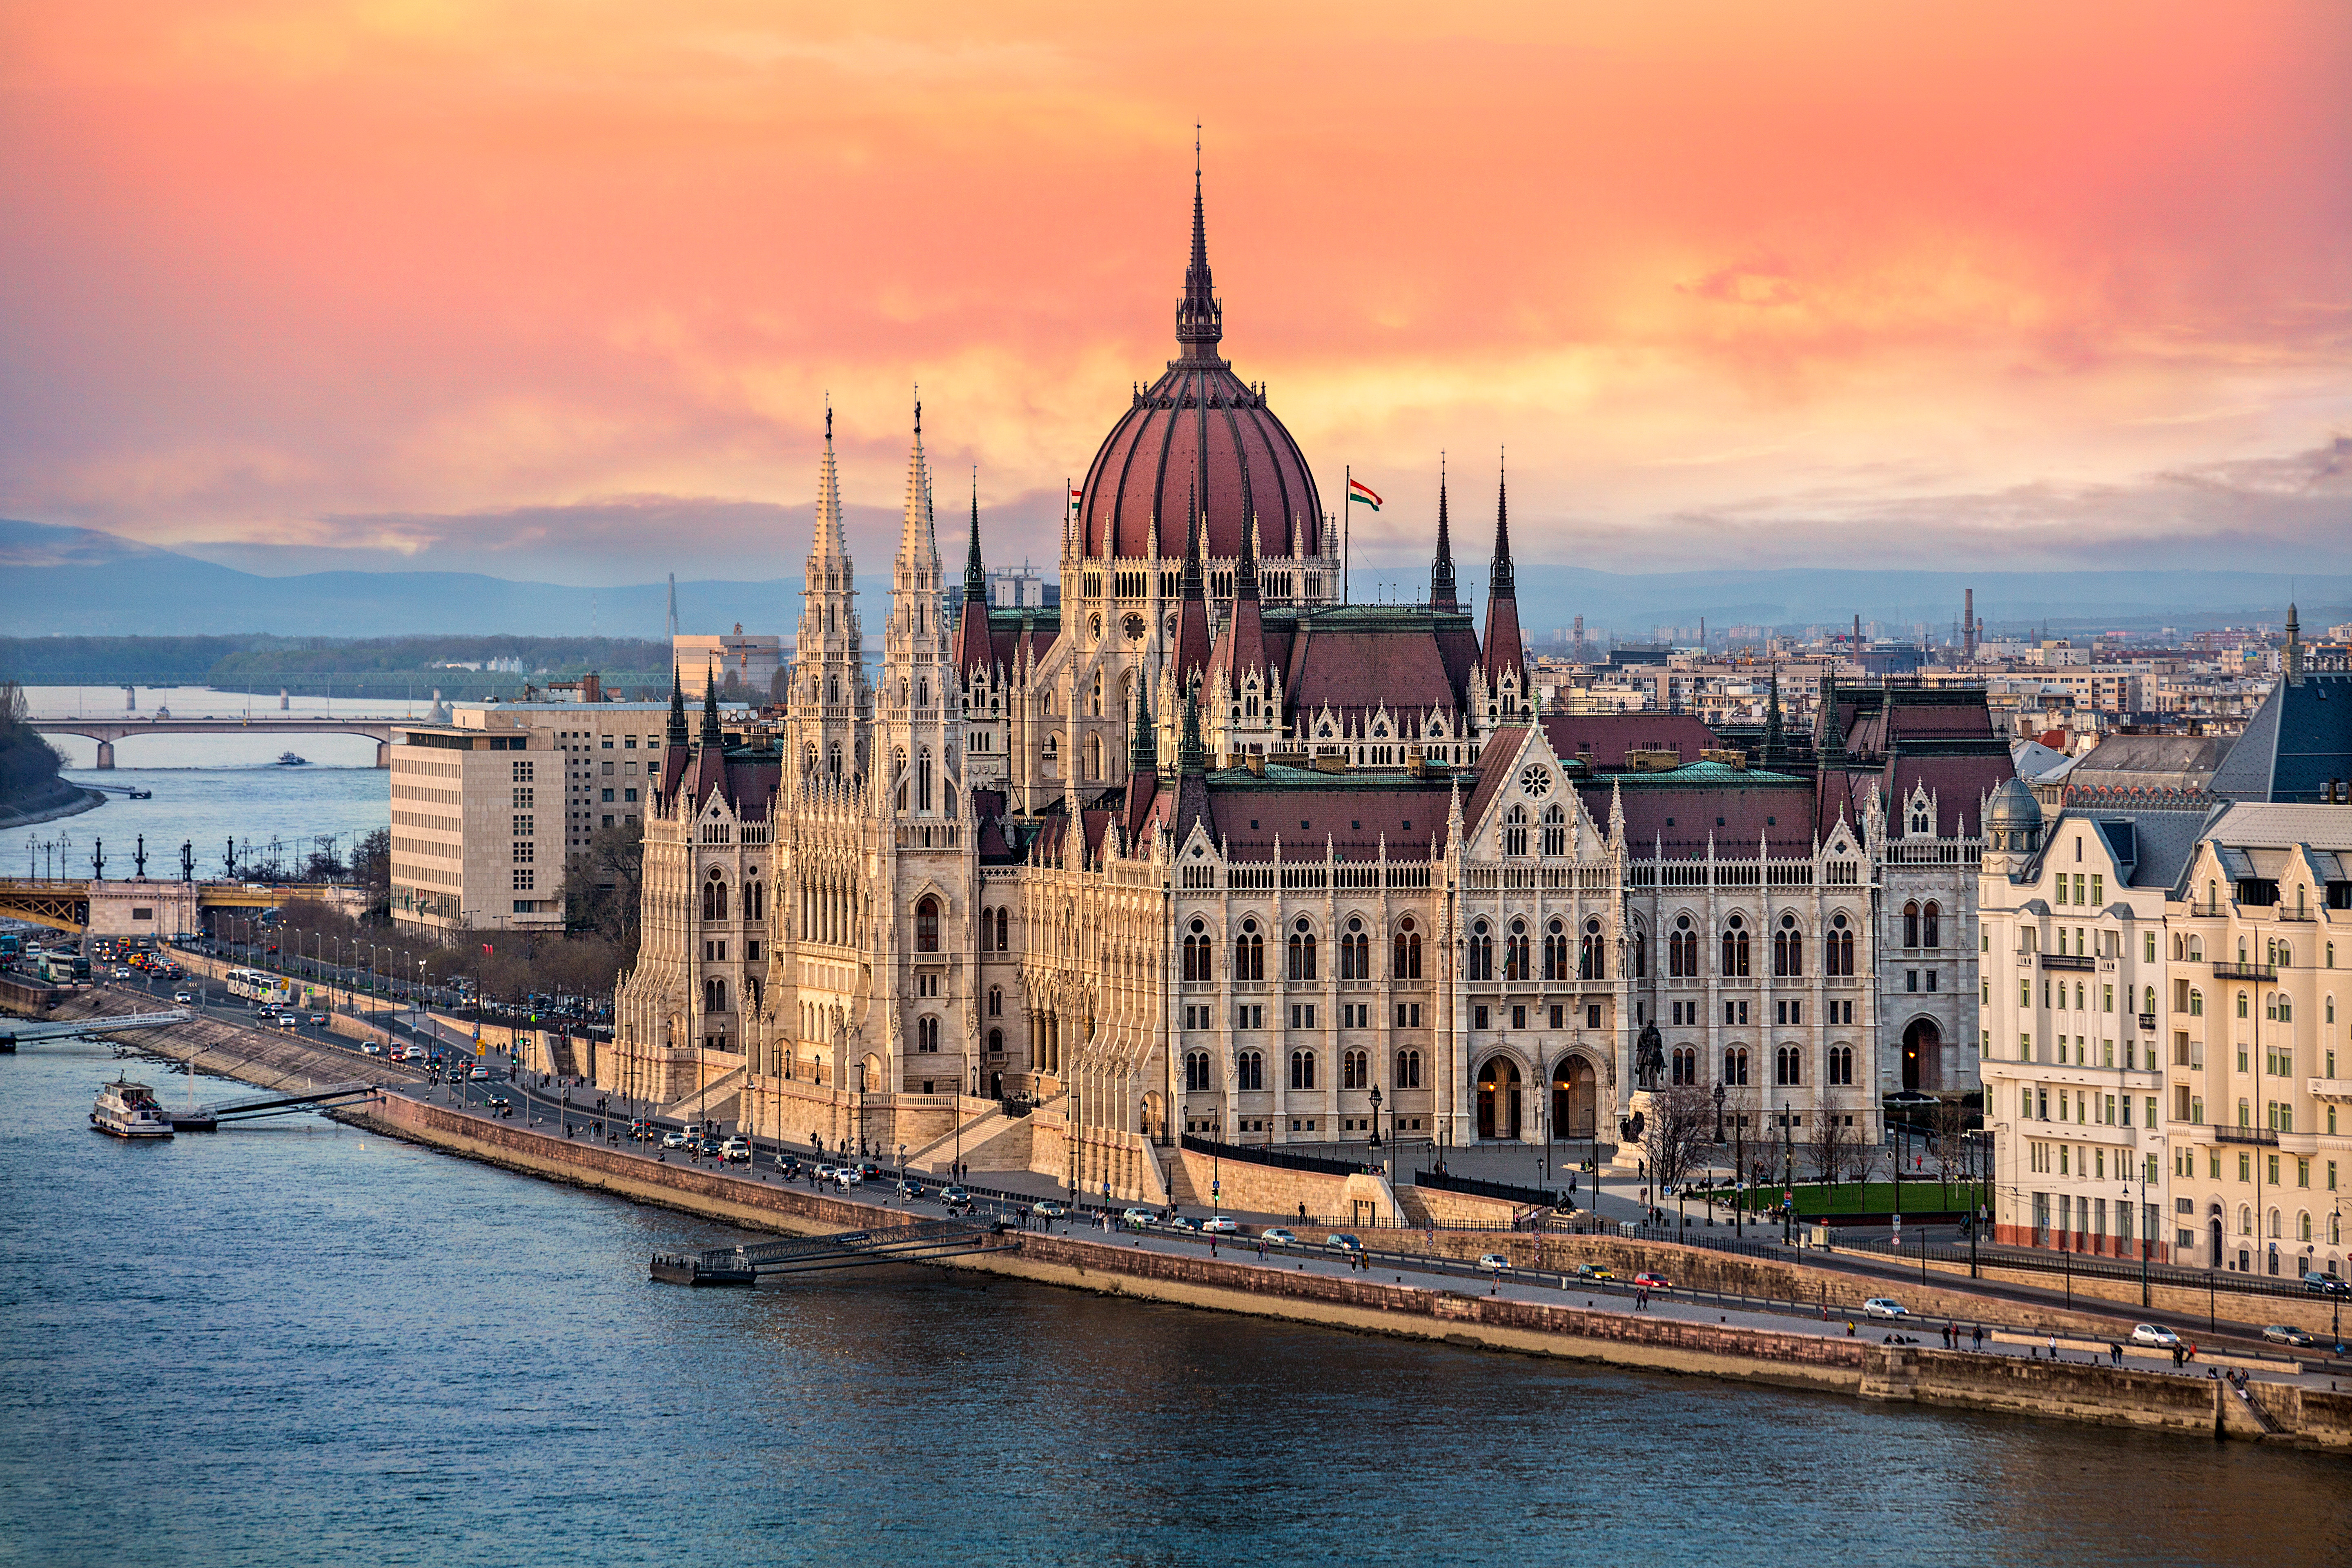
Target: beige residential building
{"x": 461, "y": 856}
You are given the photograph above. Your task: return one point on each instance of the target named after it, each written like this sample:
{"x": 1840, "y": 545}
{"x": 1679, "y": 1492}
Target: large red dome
{"x": 1200, "y": 431}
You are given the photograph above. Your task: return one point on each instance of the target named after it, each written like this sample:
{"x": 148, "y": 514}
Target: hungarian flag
{"x": 1076, "y": 496}
{"x": 1361, "y": 494}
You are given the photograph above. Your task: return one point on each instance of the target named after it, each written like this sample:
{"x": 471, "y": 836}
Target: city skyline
{"x": 487, "y": 291}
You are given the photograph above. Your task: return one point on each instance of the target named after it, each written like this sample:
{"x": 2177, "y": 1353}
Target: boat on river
{"x": 127, "y": 1110}
{"x": 289, "y": 760}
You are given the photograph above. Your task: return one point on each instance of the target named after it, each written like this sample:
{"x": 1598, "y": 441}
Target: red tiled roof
{"x": 1248, "y": 817}
{"x": 1605, "y": 737}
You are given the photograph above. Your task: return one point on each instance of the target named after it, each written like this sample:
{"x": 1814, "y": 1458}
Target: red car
{"x": 1653, "y": 1283}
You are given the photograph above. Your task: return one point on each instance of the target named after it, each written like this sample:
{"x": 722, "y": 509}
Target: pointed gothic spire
{"x": 1775, "y": 743}
{"x": 1500, "y": 579}
{"x": 1442, "y": 593}
{"x": 1143, "y": 748}
{"x": 1503, "y": 653}
{"x": 1190, "y": 758}
{"x": 1200, "y": 318}
{"x": 711, "y": 734}
{"x": 975, "y": 580}
{"x": 831, "y": 541}
{"x": 676, "y": 705}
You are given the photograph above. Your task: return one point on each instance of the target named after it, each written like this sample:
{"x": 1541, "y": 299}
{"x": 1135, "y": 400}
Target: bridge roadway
{"x": 107, "y": 731}
{"x": 62, "y": 903}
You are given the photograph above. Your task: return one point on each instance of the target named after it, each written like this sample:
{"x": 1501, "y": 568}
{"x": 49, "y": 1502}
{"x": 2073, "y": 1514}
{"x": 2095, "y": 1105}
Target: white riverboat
{"x": 127, "y": 1110}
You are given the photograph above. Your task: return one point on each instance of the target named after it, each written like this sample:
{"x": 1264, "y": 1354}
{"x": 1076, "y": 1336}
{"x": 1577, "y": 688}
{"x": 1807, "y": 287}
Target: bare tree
{"x": 1678, "y": 1136}
{"x": 1826, "y": 1141}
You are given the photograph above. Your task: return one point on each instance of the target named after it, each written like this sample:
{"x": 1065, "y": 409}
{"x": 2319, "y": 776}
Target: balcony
{"x": 2068, "y": 960}
{"x": 2336, "y": 1088}
{"x": 2262, "y": 1135}
{"x": 2244, "y": 971}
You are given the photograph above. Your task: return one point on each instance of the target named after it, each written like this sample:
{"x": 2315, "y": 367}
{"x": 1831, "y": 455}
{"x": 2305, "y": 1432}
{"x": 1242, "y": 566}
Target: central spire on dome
{"x": 1200, "y": 315}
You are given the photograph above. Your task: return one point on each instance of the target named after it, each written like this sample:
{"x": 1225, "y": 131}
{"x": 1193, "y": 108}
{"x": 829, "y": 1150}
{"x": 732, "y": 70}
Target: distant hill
{"x": 57, "y": 581}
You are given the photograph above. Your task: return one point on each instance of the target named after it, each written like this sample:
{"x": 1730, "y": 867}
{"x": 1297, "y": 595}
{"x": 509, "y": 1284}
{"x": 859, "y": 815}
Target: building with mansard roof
{"x": 1204, "y": 850}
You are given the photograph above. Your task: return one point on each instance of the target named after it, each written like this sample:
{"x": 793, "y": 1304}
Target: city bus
{"x": 253, "y": 985}
{"x": 65, "y": 968}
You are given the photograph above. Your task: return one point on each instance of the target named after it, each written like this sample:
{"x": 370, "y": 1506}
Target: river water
{"x": 298, "y": 1344}
{"x": 206, "y": 789}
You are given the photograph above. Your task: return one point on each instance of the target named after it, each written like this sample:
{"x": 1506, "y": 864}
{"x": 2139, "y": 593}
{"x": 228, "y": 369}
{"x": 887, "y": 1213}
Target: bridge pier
{"x": 384, "y": 754}
{"x": 106, "y": 753}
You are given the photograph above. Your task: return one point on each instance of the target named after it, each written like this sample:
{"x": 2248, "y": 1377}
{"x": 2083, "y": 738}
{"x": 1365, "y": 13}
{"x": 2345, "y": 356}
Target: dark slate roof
{"x": 1603, "y": 739}
{"x": 2154, "y": 846}
{"x": 2124, "y": 767}
{"x": 1303, "y": 808}
{"x": 1678, "y": 812}
{"x": 2296, "y": 742}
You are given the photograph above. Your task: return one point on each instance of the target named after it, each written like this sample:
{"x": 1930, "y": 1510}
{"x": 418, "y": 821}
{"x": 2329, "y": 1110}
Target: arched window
{"x": 1408, "y": 952}
{"x": 1355, "y": 951}
{"x": 1735, "y": 1066}
{"x": 1249, "y": 1070}
{"x": 1094, "y": 697}
{"x": 714, "y": 995}
{"x": 1482, "y": 951}
{"x": 1682, "y": 951}
{"x": 1593, "y": 951}
{"x": 995, "y": 1042}
{"x": 1196, "y": 1072}
{"x": 926, "y": 1033}
{"x": 1515, "y": 831}
{"x": 1837, "y": 947}
{"x": 1911, "y": 924}
{"x": 1641, "y": 953}
{"x": 1840, "y": 1064}
{"x": 1735, "y": 948}
{"x": 1302, "y": 952}
{"x": 1555, "y": 950}
{"x": 1555, "y": 830}
{"x": 1094, "y": 757}
{"x": 923, "y": 780}
{"x": 1302, "y": 1070}
{"x": 926, "y": 924}
{"x": 1684, "y": 1066}
{"x": 1931, "y": 926}
{"x": 1788, "y": 1066}
{"x": 1408, "y": 1070}
{"x": 1516, "y": 965}
{"x": 1249, "y": 953}
{"x": 714, "y": 896}
{"x": 2303, "y": 1225}
{"x": 2245, "y": 1219}
{"x": 2197, "y": 1003}
{"x": 997, "y": 1001}
{"x": 1003, "y": 924}
{"x": 1196, "y": 952}
{"x": 1788, "y": 949}
{"x": 1355, "y": 1070}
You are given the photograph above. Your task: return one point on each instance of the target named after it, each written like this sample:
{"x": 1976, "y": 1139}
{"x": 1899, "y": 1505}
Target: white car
{"x": 1279, "y": 1235}
{"x": 1220, "y": 1225}
{"x": 1884, "y": 1307}
{"x": 183, "y": 997}
{"x": 2154, "y": 1334}
{"x": 736, "y": 1152}
{"x": 1494, "y": 1262}
{"x": 674, "y": 1141}
{"x": 1135, "y": 1219}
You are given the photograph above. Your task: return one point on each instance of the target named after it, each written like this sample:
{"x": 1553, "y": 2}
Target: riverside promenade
{"x": 1800, "y": 1340}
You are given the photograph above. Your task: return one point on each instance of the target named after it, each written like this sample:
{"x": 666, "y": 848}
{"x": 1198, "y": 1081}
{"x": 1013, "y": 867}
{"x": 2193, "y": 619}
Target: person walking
{"x": 2053, "y": 1347}
{"x": 1977, "y": 1336}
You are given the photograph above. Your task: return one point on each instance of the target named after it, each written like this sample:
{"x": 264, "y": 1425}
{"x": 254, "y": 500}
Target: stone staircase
{"x": 992, "y": 1141}
{"x": 719, "y": 1101}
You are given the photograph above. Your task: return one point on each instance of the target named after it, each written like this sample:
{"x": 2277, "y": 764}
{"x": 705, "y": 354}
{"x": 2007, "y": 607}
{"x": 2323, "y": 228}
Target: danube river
{"x": 206, "y": 789}
{"x": 296, "y": 1344}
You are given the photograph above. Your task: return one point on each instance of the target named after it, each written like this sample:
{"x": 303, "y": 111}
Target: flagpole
{"x": 1347, "y": 526}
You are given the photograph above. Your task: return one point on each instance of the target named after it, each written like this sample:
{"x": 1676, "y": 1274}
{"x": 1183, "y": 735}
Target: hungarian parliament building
{"x": 1207, "y": 850}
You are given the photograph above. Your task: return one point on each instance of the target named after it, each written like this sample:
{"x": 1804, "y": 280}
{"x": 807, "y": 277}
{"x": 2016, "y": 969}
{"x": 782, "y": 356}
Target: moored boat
{"x": 127, "y": 1110}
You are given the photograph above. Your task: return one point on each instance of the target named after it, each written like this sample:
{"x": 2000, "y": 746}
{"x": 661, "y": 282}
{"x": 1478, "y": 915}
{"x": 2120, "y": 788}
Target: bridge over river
{"x": 107, "y": 732}
{"x": 141, "y": 907}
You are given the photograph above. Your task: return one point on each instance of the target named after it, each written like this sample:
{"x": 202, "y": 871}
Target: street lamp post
{"x": 1376, "y": 1129}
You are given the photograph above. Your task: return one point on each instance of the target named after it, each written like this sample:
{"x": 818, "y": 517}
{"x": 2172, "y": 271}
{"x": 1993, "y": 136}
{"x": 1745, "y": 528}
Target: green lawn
{"x": 1875, "y": 1197}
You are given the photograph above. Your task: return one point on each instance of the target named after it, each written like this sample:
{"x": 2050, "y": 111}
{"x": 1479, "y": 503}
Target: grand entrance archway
{"x": 1498, "y": 1099}
{"x": 1923, "y": 1057}
{"x": 1574, "y": 1106}
{"x": 2214, "y": 1232}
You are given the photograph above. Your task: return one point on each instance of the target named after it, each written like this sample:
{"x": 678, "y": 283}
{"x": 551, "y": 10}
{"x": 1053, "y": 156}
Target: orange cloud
{"x": 277, "y": 264}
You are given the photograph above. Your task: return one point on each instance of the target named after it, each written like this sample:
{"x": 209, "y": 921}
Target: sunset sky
{"x": 558, "y": 290}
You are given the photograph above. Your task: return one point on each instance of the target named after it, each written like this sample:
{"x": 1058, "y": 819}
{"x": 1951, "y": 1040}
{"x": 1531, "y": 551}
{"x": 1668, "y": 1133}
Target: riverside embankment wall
{"x": 1916, "y": 1374}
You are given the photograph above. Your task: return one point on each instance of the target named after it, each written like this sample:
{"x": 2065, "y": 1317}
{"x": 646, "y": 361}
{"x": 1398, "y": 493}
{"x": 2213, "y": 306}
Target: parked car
{"x": 1594, "y": 1271}
{"x": 2325, "y": 1284}
{"x": 1647, "y": 1280}
{"x": 2155, "y": 1334}
{"x": 845, "y": 1177}
{"x": 1279, "y": 1235}
{"x": 1884, "y": 1307}
{"x": 1494, "y": 1262}
{"x": 1340, "y": 1241}
{"x": 1183, "y": 1222}
{"x": 319, "y": 1019}
{"x": 2281, "y": 1335}
{"x": 1220, "y": 1225}
{"x": 867, "y": 1171}
{"x": 789, "y": 1166}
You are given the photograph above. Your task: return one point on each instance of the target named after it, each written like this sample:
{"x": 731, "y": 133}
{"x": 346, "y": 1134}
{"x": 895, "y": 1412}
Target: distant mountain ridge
{"x": 59, "y": 581}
